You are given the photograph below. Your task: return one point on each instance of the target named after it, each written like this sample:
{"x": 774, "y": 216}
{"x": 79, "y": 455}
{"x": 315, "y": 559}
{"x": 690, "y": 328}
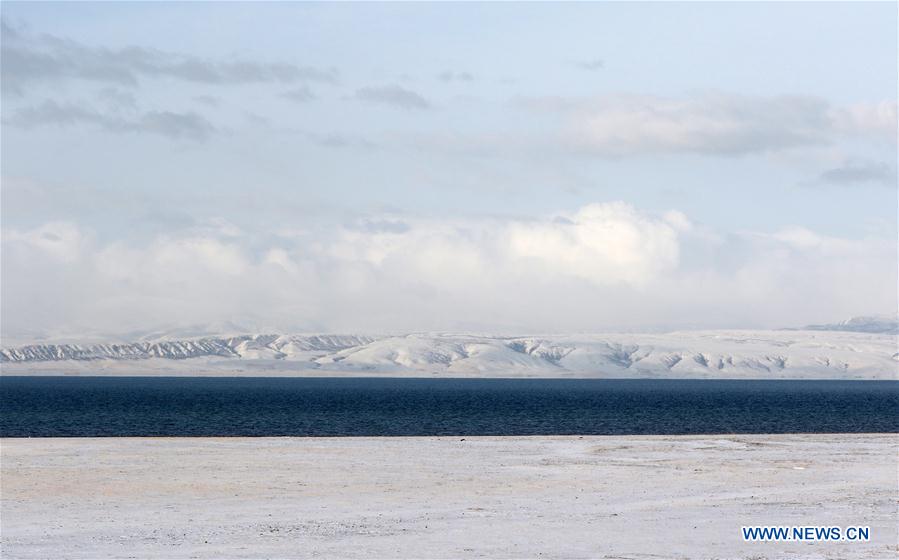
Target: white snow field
{"x": 771, "y": 354}
{"x": 643, "y": 497}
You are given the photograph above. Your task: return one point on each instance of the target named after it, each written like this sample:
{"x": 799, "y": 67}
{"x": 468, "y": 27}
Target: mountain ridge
{"x": 775, "y": 354}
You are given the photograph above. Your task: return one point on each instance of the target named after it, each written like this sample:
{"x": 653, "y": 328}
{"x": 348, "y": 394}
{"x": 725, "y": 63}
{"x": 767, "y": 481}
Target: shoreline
{"x": 325, "y": 374}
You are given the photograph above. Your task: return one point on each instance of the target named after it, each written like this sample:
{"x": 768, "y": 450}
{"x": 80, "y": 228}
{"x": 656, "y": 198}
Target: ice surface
{"x": 450, "y": 497}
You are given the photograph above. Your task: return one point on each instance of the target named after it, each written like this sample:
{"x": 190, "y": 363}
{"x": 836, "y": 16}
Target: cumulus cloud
{"x": 600, "y": 243}
{"x": 191, "y": 126}
{"x": 711, "y": 123}
{"x": 602, "y": 266}
{"x": 30, "y": 59}
{"x": 393, "y": 95}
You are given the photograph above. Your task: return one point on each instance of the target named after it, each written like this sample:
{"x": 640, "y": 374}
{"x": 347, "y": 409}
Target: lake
{"x": 259, "y": 406}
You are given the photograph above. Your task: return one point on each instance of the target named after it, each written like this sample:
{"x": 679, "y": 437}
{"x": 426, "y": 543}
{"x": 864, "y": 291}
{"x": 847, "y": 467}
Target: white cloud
{"x": 603, "y": 244}
{"x": 600, "y": 243}
{"x": 63, "y": 241}
{"x": 714, "y": 123}
{"x": 805, "y": 239}
{"x": 602, "y": 266}
{"x": 868, "y": 119}
{"x": 208, "y": 253}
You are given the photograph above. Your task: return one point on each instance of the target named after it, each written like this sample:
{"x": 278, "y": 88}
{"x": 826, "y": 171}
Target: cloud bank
{"x": 603, "y": 266}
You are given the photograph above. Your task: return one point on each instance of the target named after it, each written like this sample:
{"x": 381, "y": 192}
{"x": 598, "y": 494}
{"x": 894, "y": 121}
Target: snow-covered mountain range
{"x": 809, "y": 353}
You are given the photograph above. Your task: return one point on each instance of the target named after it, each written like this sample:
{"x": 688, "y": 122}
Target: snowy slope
{"x": 702, "y": 354}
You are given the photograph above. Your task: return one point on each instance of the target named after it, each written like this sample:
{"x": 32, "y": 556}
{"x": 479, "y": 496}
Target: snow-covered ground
{"x": 772, "y": 354}
{"x": 562, "y": 497}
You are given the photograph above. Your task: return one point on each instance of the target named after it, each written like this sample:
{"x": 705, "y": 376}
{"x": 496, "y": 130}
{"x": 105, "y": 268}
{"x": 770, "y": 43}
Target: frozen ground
{"x": 570, "y": 497}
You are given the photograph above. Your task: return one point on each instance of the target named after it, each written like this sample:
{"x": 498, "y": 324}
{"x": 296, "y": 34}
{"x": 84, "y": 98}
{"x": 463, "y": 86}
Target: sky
{"x": 396, "y": 167}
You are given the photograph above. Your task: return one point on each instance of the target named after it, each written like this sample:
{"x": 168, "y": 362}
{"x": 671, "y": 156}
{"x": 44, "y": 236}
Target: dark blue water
{"x": 196, "y": 406}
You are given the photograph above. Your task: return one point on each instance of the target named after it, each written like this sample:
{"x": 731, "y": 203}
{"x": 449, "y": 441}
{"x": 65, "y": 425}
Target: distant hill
{"x": 880, "y": 324}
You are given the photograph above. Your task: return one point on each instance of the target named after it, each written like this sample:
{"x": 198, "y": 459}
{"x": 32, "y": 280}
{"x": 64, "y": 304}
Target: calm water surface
{"x": 204, "y": 406}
